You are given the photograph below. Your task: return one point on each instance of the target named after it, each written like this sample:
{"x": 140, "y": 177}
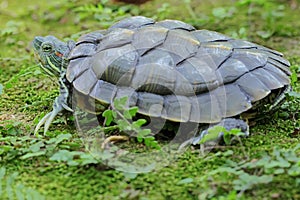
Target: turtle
{"x": 169, "y": 70}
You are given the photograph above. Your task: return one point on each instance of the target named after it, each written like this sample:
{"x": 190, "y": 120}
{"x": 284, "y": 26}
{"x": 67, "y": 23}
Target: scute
{"x": 154, "y": 78}
{"x": 116, "y": 38}
{"x": 104, "y": 92}
{"x": 155, "y": 36}
{"x": 133, "y": 23}
{"x": 177, "y": 108}
{"x": 85, "y": 82}
{"x": 158, "y": 56}
{"x": 209, "y": 36}
{"x": 150, "y": 104}
{"x": 201, "y": 75}
{"x": 280, "y": 65}
{"x": 121, "y": 70}
{"x": 102, "y": 60}
{"x": 252, "y": 87}
{"x": 82, "y": 50}
{"x": 205, "y": 109}
{"x": 250, "y": 58}
{"x": 268, "y": 79}
{"x": 277, "y": 73}
{"x": 181, "y": 43}
{"x": 242, "y": 44}
{"x": 77, "y": 67}
{"x": 93, "y": 37}
{"x": 231, "y": 70}
{"x": 175, "y": 24}
{"x": 218, "y": 52}
{"x": 232, "y": 101}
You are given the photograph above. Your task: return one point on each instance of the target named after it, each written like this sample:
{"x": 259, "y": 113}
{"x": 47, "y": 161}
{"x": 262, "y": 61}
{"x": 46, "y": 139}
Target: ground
{"x": 57, "y": 166}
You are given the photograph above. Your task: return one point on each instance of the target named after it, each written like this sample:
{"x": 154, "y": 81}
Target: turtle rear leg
{"x": 228, "y": 124}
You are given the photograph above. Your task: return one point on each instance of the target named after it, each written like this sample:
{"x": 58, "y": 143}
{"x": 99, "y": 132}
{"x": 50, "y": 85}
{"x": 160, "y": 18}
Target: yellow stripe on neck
{"x": 52, "y": 65}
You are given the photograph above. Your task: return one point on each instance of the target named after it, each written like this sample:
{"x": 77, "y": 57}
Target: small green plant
{"x": 16, "y": 145}
{"x": 221, "y": 13}
{"x": 269, "y": 11}
{"x": 122, "y": 116}
{"x": 106, "y": 14}
{"x": 248, "y": 174}
{"x": 25, "y": 70}
{"x": 162, "y": 12}
{"x": 11, "y": 28}
{"x": 11, "y": 189}
{"x": 73, "y": 158}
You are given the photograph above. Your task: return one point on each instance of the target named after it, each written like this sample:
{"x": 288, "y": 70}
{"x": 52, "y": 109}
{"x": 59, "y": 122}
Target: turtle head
{"x": 52, "y": 54}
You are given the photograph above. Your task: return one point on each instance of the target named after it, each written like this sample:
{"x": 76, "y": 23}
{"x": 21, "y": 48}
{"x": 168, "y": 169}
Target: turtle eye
{"x": 46, "y": 47}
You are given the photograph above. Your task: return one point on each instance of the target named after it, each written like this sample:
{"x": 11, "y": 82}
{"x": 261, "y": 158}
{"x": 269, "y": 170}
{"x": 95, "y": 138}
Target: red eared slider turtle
{"x": 168, "y": 69}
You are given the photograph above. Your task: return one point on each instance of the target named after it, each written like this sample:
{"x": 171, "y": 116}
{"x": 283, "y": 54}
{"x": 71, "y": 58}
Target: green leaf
{"x": 265, "y": 34}
{"x": 62, "y": 155}
{"x": 8, "y": 85}
{"x": 213, "y": 134}
{"x": 219, "y": 12}
{"x": 228, "y": 135}
{"x": 19, "y": 194}
{"x": 120, "y": 103}
{"x": 35, "y": 154}
{"x": 140, "y": 139}
{"x": 279, "y": 171}
{"x": 150, "y": 142}
{"x": 87, "y": 158}
{"x": 36, "y": 147}
{"x": 123, "y": 125}
{"x": 108, "y": 116}
{"x": 59, "y": 138}
{"x": 133, "y": 111}
{"x": 139, "y": 123}
{"x": 127, "y": 114}
{"x": 294, "y": 170}
{"x": 144, "y": 133}
{"x": 185, "y": 181}
{"x": 227, "y": 138}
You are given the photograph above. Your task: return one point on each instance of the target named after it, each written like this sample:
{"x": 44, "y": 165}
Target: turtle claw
{"x": 58, "y": 106}
{"x": 65, "y": 106}
{"x": 41, "y": 122}
{"x": 47, "y": 120}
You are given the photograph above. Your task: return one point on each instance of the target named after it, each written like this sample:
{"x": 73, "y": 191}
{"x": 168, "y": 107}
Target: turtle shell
{"x": 169, "y": 69}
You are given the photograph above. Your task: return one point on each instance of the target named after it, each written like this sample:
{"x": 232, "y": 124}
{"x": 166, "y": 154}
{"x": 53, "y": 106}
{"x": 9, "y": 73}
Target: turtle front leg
{"x": 60, "y": 104}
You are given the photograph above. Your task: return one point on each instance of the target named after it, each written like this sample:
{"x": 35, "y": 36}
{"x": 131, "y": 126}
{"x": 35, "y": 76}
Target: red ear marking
{"x": 58, "y": 54}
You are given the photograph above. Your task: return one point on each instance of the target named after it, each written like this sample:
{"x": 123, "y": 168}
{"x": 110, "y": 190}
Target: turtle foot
{"x": 228, "y": 124}
{"x": 58, "y": 106}
{"x": 46, "y": 121}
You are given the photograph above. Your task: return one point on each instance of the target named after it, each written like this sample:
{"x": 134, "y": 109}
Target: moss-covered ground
{"x": 263, "y": 166}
